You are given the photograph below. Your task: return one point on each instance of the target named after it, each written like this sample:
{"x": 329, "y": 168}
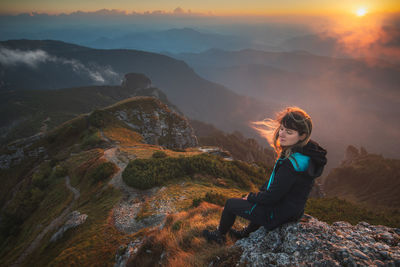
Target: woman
{"x": 282, "y": 198}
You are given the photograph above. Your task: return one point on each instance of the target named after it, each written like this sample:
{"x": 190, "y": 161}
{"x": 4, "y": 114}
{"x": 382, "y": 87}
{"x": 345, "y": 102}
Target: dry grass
{"x": 124, "y": 136}
{"x": 180, "y": 242}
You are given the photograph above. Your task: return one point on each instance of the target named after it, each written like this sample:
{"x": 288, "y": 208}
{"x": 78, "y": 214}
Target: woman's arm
{"x": 284, "y": 179}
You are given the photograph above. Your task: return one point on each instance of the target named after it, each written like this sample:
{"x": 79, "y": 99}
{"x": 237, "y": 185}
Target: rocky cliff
{"x": 154, "y": 121}
{"x": 315, "y": 243}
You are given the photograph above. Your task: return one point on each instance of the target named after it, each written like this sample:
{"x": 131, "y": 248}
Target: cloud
{"x": 98, "y": 74}
{"x": 179, "y": 10}
{"x": 14, "y": 57}
{"x": 368, "y": 38}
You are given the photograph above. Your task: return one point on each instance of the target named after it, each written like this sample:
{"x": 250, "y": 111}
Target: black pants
{"x": 257, "y": 214}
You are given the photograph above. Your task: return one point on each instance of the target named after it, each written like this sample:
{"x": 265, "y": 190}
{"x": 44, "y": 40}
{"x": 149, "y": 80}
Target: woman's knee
{"x": 233, "y": 203}
{"x": 229, "y": 203}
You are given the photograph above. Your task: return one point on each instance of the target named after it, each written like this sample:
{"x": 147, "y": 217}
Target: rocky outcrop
{"x": 15, "y": 152}
{"x": 75, "y": 219}
{"x": 156, "y": 122}
{"x": 311, "y": 242}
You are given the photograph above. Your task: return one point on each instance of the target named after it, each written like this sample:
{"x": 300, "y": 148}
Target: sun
{"x": 361, "y": 11}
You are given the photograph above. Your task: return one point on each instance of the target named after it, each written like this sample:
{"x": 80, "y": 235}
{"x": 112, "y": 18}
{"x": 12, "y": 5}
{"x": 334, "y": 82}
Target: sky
{"x": 215, "y": 7}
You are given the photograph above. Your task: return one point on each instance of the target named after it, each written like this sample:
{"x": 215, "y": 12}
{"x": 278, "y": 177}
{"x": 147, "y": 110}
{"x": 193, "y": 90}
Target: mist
{"x": 344, "y": 70}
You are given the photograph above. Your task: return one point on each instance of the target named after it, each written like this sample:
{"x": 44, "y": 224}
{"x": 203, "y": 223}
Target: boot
{"x": 245, "y": 232}
{"x": 239, "y": 234}
{"x": 215, "y": 236}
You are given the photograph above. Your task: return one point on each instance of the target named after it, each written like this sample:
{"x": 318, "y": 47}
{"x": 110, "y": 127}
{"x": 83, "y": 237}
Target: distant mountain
{"x": 241, "y": 148}
{"x": 196, "y": 97}
{"x": 26, "y": 113}
{"x": 340, "y": 94}
{"x": 365, "y": 178}
{"x": 346, "y": 45}
{"x": 315, "y": 44}
{"x": 172, "y": 40}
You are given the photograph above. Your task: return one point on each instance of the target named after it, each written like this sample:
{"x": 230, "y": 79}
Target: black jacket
{"x": 290, "y": 184}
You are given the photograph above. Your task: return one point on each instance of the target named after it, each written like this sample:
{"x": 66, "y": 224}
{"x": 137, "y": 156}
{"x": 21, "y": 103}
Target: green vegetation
{"x": 211, "y": 197}
{"x": 90, "y": 139}
{"x": 28, "y": 199}
{"x": 101, "y": 172}
{"x": 215, "y": 198}
{"x": 100, "y": 118}
{"x": 147, "y": 173}
{"x": 368, "y": 179}
{"x": 334, "y": 209}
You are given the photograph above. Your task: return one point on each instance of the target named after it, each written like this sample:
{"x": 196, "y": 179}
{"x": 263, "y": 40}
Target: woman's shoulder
{"x": 299, "y": 161}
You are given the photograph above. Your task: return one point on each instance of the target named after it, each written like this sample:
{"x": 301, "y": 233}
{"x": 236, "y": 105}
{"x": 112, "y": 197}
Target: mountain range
{"x": 356, "y": 99}
{"x": 73, "y": 65}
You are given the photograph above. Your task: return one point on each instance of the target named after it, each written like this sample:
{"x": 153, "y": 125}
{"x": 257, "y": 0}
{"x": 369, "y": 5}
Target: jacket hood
{"x": 317, "y": 156}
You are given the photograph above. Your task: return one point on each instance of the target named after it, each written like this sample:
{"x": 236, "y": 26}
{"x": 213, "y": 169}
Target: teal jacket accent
{"x": 299, "y": 161}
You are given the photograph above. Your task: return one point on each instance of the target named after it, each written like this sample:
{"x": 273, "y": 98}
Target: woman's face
{"x": 289, "y": 137}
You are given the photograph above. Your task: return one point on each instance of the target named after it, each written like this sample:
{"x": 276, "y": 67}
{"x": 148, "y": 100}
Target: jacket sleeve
{"x": 284, "y": 179}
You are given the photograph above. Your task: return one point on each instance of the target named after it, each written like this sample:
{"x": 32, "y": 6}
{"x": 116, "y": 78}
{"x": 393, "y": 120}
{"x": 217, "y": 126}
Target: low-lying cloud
{"x": 368, "y": 38}
{"x": 10, "y": 57}
{"x": 98, "y": 74}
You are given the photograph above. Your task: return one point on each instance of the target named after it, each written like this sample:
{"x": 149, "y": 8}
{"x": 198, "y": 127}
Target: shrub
{"x": 196, "y": 202}
{"x": 99, "y": 118}
{"x": 176, "y": 226}
{"x": 101, "y": 172}
{"x": 41, "y": 178}
{"x": 58, "y": 171}
{"x": 147, "y": 173}
{"x": 215, "y": 198}
{"x": 91, "y": 139}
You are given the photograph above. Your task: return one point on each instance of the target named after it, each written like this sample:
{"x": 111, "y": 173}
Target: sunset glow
{"x": 361, "y": 11}
{"x": 219, "y": 7}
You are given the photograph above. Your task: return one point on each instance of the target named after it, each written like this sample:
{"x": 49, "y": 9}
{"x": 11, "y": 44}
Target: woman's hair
{"x": 292, "y": 118}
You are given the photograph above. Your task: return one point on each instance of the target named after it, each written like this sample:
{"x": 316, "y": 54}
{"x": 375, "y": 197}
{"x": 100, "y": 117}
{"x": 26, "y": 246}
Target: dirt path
{"x": 125, "y": 212}
{"x": 56, "y": 223}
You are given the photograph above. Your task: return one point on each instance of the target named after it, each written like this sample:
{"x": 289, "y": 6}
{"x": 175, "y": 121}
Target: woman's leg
{"x": 243, "y": 208}
{"x": 257, "y": 215}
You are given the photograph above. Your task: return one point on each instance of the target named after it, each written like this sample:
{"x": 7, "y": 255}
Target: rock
{"x": 124, "y": 252}
{"x": 74, "y": 219}
{"x": 311, "y": 242}
{"x": 156, "y": 122}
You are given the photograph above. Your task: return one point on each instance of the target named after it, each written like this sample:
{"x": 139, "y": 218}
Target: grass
{"x": 181, "y": 241}
{"x": 96, "y": 240}
{"x": 334, "y": 209}
{"x": 50, "y": 207}
{"x": 123, "y": 136}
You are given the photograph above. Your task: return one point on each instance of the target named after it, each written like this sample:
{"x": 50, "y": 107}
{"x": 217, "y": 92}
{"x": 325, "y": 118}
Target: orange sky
{"x": 216, "y": 7}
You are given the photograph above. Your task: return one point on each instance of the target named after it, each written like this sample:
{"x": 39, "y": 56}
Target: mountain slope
{"x": 27, "y": 113}
{"x": 196, "y": 97}
{"x": 84, "y": 167}
{"x": 93, "y": 151}
{"x": 365, "y": 178}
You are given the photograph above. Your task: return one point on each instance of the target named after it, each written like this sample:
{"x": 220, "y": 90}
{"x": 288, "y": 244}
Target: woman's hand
{"x": 245, "y": 198}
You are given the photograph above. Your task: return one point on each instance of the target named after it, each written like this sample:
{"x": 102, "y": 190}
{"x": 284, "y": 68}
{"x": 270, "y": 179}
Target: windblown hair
{"x": 292, "y": 118}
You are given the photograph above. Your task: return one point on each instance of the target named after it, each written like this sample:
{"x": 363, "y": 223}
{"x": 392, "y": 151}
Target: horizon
{"x": 218, "y": 8}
